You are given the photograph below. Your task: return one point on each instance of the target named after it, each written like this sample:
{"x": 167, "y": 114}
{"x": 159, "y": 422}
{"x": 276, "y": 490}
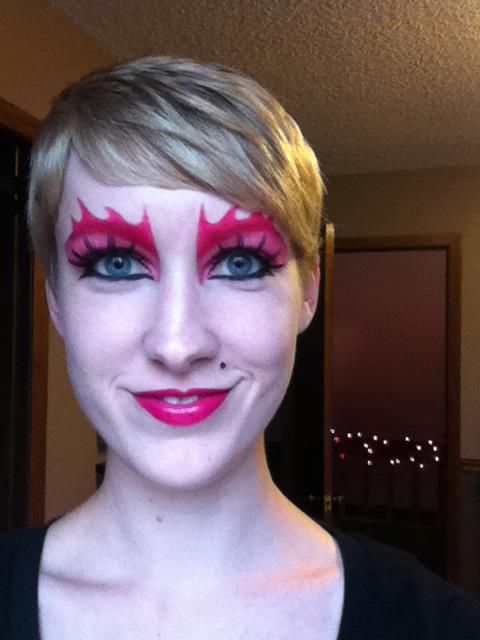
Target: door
{"x": 16, "y": 333}
{"x": 395, "y": 386}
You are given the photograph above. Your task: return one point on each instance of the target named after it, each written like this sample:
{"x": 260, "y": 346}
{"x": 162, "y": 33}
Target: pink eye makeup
{"x": 239, "y": 249}
{"x": 112, "y": 248}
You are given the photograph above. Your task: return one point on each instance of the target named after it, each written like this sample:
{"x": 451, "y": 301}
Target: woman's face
{"x": 179, "y": 313}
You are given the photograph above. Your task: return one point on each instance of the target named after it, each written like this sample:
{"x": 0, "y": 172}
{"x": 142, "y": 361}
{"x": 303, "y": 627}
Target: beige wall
{"x": 41, "y": 52}
{"x": 425, "y": 202}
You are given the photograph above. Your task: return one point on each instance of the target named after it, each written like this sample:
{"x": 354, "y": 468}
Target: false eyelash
{"x": 258, "y": 252}
{"x": 94, "y": 254}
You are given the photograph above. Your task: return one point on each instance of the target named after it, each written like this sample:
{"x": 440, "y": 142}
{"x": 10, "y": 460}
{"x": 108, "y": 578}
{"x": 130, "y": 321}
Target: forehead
{"x": 131, "y": 201}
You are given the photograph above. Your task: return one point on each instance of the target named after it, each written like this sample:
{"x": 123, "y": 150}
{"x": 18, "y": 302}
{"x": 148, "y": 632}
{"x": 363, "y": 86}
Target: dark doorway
{"x": 16, "y": 279}
{"x": 295, "y": 440}
{"x": 394, "y": 435}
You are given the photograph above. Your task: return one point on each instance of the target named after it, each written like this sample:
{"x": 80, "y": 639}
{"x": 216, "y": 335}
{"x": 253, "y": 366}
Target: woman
{"x": 176, "y": 208}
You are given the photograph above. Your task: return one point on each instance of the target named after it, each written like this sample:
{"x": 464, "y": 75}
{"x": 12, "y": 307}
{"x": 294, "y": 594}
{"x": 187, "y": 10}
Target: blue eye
{"x": 113, "y": 265}
{"x": 240, "y": 264}
{"x": 117, "y": 266}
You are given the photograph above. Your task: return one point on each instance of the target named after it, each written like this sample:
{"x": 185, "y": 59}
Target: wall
{"x": 41, "y": 52}
{"x": 425, "y": 202}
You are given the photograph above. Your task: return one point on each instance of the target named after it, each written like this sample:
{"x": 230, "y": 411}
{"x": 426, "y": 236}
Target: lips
{"x": 181, "y": 408}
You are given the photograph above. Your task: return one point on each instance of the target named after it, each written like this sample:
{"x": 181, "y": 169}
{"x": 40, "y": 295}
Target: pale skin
{"x": 188, "y": 537}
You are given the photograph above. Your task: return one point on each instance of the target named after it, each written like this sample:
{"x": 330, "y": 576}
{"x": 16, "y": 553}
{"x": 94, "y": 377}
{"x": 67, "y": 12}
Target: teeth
{"x": 176, "y": 400}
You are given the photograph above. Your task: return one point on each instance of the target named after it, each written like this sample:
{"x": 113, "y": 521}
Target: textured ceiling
{"x": 375, "y": 85}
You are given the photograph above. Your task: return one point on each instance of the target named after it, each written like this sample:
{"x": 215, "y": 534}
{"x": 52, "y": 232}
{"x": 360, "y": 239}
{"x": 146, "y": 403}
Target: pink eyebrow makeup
{"x": 257, "y": 233}
{"x": 97, "y": 234}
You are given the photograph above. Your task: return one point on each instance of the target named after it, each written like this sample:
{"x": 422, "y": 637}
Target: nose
{"x": 180, "y": 334}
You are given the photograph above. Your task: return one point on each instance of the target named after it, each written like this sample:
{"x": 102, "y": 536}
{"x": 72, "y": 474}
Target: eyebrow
{"x": 139, "y": 235}
{"x": 212, "y": 234}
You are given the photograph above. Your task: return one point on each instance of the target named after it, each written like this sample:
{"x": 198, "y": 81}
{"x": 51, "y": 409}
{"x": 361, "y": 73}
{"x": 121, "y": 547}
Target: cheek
{"x": 264, "y": 332}
{"x": 98, "y": 336}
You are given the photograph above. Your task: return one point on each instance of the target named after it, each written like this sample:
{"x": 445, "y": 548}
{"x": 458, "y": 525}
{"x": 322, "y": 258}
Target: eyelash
{"x": 88, "y": 261}
{"x": 266, "y": 260}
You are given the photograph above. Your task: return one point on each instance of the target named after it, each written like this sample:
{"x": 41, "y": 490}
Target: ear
{"x": 53, "y": 307}
{"x": 310, "y": 298}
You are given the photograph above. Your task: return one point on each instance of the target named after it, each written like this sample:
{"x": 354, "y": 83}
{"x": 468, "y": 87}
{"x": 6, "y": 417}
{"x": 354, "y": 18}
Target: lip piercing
{"x": 222, "y": 365}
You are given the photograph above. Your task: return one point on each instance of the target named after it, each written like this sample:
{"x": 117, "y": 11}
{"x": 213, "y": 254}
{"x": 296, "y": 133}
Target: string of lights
{"x": 376, "y": 448}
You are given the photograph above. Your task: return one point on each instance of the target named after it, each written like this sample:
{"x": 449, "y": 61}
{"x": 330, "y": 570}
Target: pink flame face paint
{"x": 95, "y": 233}
{"x": 181, "y": 409}
{"x": 255, "y": 232}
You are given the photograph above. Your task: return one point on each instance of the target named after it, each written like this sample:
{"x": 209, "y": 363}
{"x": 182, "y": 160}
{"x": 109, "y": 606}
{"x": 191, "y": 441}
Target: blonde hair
{"x": 200, "y": 125}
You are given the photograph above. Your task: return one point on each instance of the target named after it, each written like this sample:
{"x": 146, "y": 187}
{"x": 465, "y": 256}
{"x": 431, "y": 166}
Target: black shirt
{"x": 388, "y": 594}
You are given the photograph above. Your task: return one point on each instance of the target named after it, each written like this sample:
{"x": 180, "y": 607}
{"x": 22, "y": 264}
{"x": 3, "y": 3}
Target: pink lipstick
{"x": 181, "y": 408}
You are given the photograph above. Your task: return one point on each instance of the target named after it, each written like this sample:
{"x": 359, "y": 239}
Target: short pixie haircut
{"x": 160, "y": 120}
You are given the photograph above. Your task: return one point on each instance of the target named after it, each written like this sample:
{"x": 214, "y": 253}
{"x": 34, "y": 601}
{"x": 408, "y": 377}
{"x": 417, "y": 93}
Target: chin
{"x": 177, "y": 469}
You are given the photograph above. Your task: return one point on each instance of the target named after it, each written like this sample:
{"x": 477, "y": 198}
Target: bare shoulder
{"x": 78, "y": 593}
{"x": 78, "y": 549}
{"x": 296, "y": 592}
{"x": 301, "y": 595}
{"x": 313, "y": 602}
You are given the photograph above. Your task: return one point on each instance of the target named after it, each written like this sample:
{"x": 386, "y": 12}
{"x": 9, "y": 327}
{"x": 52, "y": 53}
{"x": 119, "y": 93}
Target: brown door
{"x": 393, "y": 424}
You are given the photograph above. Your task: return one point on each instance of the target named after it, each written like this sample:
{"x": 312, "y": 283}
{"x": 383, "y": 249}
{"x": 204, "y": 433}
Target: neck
{"x": 183, "y": 534}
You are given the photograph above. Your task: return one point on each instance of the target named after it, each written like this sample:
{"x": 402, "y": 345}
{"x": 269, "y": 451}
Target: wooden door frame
{"x": 327, "y": 275}
{"x": 25, "y": 125}
{"x": 451, "y": 243}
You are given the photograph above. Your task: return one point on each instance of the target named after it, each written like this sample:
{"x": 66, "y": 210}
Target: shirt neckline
{"x": 358, "y": 594}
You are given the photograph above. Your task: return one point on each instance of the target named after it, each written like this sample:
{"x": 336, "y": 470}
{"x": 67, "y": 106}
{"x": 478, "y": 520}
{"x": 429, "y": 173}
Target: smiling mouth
{"x": 181, "y": 408}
